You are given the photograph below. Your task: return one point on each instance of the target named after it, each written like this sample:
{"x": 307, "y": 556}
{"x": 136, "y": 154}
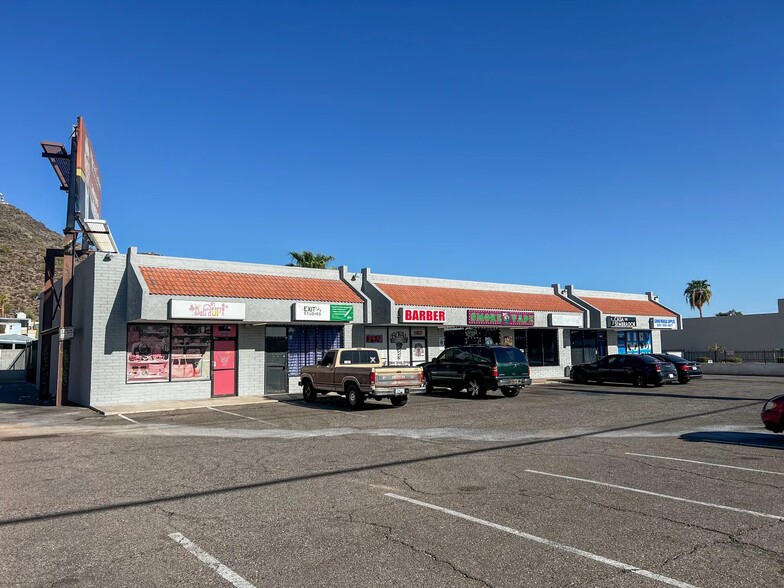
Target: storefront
{"x": 629, "y": 324}
{"x": 153, "y": 328}
{"x": 150, "y": 328}
{"x": 420, "y": 317}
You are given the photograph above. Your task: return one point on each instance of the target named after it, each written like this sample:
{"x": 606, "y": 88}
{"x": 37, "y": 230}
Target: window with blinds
{"x": 307, "y": 345}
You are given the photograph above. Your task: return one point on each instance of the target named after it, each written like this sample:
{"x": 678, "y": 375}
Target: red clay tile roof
{"x": 178, "y": 282}
{"x": 464, "y": 298}
{"x": 630, "y": 307}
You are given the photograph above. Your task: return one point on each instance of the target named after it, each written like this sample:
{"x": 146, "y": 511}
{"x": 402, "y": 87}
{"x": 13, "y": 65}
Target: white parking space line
{"x": 649, "y": 493}
{"x": 218, "y": 567}
{"x": 548, "y": 542}
{"x": 122, "y": 416}
{"x": 717, "y": 465}
{"x": 242, "y": 416}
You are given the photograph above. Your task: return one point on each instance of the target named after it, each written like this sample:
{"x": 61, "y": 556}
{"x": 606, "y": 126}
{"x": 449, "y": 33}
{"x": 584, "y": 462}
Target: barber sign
{"x": 410, "y": 314}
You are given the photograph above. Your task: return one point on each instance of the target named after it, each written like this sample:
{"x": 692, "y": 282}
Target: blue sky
{"x": 623, "y": 146}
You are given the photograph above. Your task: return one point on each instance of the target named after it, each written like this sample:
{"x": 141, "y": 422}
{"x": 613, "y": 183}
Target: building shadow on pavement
{"x": 625, "y": 390}
{"x": 21, "y": 393}
{"x": 767, "y": 440}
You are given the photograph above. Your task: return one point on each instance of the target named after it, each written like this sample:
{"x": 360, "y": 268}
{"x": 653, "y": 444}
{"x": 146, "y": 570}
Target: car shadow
{"x": 767, "y": 440}
{"x": 462, "y": 395}
{"x": 335, "y": 403}
{"x": 623, "y": 390}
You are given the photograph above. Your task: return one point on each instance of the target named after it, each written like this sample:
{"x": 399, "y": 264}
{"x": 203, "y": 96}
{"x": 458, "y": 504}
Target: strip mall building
{"x": 149, "y": 328}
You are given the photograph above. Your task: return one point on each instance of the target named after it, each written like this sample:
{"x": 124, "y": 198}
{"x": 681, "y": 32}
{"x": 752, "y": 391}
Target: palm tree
{"x": 3, "y": 302}
{"x": 698, "y": 293}
{"x": 310, "y": 259}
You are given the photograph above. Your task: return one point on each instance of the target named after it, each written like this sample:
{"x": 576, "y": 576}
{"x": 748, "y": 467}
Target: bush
{"x": 703, "y": 359}
{"x": 733, "y": 359}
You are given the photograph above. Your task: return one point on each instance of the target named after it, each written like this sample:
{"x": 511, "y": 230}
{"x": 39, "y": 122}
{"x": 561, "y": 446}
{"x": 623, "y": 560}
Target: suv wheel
{"x": 428, "y": 383}
{"x": 474, "y": 388}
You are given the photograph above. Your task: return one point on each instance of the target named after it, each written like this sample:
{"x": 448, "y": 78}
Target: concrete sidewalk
{"x": 167, "y": 405}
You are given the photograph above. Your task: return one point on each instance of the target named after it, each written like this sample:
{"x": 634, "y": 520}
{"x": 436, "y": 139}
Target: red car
{"x": 773, "y": 414}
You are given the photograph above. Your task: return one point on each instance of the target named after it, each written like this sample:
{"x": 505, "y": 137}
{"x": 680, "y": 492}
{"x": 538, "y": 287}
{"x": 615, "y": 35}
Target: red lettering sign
{"x": 422, "y": 315}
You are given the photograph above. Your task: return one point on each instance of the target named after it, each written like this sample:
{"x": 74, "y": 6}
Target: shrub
{"x": 733, "y": 359}
{"x": 703, "y": 359}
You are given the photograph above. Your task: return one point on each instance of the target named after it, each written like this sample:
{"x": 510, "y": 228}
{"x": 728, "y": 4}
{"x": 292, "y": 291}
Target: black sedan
{"x": 639, "y": 370}
{"x": 687, "y": 370}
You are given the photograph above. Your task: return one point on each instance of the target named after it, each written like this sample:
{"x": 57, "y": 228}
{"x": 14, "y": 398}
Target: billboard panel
{"x": 87, "y": 173}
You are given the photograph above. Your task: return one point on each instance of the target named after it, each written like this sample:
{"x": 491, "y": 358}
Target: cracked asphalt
{"x": 305, "y": 496}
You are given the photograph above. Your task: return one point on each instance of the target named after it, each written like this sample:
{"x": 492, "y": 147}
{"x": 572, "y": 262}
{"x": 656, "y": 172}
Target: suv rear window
{"x": 509, "y": 355}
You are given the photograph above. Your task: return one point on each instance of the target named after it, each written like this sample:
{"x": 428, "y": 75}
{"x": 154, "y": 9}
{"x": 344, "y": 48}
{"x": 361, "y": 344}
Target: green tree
{"x": 698, "y": 294}
{"x": 3, "y": 302}
{"x": 730, "y": 312}
{"x": 309, "y": 259}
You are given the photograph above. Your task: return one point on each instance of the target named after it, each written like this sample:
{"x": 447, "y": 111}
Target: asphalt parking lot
{"x": 565, "y": 485}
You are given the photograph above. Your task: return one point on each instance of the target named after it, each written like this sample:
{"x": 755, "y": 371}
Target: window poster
{"x": 399, "y": 346}
{"x": 377, "y": 339}
{"x": 191, "y": 346}
{"x": 148, "y": 353}
{"x": 418, "y": 350}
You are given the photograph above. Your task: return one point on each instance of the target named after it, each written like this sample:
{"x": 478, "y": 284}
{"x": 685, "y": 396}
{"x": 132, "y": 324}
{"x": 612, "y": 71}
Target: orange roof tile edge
{"x": 180, "y": 282}
{"x": 466, "y": 298}
{"x": 623, "y": 306}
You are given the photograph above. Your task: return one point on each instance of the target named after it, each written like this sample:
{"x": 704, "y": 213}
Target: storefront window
{"x": 540, "y": 345}
{"x": 307, "y": 345}
{"x": 635, "y": 342}
{"x": 148, "y": 353}
{"x": 587, "y": 346}
{"x": 163, "y": 353}
{"x": 191, "y": 349}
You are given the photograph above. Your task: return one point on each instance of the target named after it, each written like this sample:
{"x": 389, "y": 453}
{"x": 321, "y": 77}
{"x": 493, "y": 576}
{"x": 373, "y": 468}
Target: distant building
{"x": 746, "y": 332}
{"x": 18, "y": 325}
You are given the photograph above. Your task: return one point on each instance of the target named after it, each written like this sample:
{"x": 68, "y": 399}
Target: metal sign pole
{"x": 66, "y": 294}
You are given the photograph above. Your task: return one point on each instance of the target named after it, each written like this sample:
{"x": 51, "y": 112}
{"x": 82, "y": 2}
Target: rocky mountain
{"x": 23, "y": 244}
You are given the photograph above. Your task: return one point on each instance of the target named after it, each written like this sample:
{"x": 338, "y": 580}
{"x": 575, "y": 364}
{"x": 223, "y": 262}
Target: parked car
{"x": 479, "y": 368}
{"x": 639, "y": 370}
{"x": 687, "y": 369}
{"x": 773, "y": 414}
{"x": 358, "y": 374}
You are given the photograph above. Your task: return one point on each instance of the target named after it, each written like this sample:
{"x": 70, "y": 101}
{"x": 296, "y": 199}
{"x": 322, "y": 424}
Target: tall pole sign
{"x": 78, "y": 174}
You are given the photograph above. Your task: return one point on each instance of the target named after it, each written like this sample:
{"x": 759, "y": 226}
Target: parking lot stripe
{"x": 242, "y": 416}
{"x": 218, "y": 567}
{"x": 649, "y": 493}
{"x": 717, "y": 465}
{"x": 548, "y": 542}
{"x": 122, "y": 416}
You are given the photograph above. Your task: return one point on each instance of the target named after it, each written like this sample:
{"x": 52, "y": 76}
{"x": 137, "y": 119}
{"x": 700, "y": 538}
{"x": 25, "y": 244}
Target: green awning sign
{"x": 341, "y": 313}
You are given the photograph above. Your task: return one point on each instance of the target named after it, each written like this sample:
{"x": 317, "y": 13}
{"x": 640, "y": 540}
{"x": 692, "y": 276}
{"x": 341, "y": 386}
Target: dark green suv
{"x": 479, "y": 368}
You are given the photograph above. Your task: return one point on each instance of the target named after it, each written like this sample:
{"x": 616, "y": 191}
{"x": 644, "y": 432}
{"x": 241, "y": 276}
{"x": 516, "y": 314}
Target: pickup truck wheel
{"x": 399, "y": 400}
{"x": 510, "y": 392}
{"x": 308, "y": 393}
{"x": 354, "y": 398}
{"x": 475, "y": 389}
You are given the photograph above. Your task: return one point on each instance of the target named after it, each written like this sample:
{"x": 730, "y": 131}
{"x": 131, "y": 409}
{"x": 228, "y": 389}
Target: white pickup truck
{"x": 358, "y": 374}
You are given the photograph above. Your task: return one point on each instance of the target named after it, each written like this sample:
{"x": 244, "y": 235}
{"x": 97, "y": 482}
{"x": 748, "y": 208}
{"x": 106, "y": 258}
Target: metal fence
{"x": 728, "y": 356}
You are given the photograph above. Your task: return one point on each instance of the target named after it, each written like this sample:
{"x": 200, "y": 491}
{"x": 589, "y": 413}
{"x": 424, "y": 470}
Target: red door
{"x": 224, "y": 367}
